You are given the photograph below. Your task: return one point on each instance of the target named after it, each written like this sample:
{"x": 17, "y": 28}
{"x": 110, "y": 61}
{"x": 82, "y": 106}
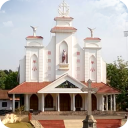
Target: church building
{"x": 52, "y": 77}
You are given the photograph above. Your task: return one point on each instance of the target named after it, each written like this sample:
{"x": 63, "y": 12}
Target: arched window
{"x": 93, "y": 69}
{"x": 34, "y": 67}
{"x": 48, "y": 101}
{"x": 78, "y": 101}
{"x": 63, "y": 51}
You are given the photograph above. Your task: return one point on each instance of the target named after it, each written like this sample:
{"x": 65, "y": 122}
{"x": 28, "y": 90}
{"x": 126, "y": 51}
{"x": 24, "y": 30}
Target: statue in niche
{"x": 64, "y": 56}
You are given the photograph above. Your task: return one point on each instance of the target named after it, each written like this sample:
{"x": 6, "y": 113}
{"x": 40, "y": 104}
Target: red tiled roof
{"x": 4, "y": 94}
{"x": 34, "y": 37}
{"x": 63, "y": 18}
{"x": 90, "y": 38}
{"x": 28, "y": 87}
{"x": 103, "y": 88}
{"x": 63, "y": 29}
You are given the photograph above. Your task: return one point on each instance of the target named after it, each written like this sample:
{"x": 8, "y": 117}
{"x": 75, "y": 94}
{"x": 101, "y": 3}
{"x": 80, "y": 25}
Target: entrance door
{"x": 34, "y": 102}
{"x": 94, "y": 102}
{"x": 65, "y": 102}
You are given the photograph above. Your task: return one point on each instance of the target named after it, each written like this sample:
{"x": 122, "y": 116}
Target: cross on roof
{"x": 63, "y": 9}
{"x": 89, "y": 89}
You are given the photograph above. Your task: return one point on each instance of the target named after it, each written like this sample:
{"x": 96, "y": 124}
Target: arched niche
{"x": 34, "y": 68}
{"x": 92, "y": 67}
{"x": 63, "y": 47}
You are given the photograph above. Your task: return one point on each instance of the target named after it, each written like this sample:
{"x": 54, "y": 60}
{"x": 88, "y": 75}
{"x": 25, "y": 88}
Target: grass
{"x": 19, "y": 125}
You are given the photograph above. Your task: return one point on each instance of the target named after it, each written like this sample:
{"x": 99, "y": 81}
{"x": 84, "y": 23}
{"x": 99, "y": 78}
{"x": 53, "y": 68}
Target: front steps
{"x": 80, "y": 113}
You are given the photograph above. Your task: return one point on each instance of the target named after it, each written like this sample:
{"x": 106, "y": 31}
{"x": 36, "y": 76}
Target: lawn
{"x": 19, "y": 125}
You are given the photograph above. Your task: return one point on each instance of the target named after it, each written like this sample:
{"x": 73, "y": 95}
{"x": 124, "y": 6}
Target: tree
{"x": 3, "y": 77}
{"x": 117, "y": 77}
{"x": 8, "y": 79}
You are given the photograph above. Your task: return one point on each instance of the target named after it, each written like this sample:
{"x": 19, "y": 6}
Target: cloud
{"x": 8, "y": 24}
{"x": 2, "y": 11}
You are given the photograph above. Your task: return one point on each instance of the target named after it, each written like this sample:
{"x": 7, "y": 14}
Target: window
{"x": 4, "y": 104}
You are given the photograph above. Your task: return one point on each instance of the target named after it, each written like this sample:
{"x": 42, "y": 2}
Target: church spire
{"x": 63, "y": 9}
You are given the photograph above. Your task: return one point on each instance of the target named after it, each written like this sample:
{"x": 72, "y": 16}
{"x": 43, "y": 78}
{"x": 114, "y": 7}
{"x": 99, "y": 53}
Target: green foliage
{"x": 8, "y": 79}
{"x": 20, "y": 109}
{"x": 117, "y": 77}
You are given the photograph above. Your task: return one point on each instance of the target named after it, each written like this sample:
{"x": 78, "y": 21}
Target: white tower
{"x": 34, "y": 58}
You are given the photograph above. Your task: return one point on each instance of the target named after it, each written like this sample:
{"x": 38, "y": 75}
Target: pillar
{"x": 111, "y": 102}
{"x": 42, "y": 102}
{"x": 58, "y": 102}
{"x": 102, "y": 102}
{"x": 106, "y": 102}
{"x": 26, "y": 103}
{"x": 74, "y": 102}
{"x": 85, "y": 103}
{"x": 114, "y": 102}
{"x": 13, "y": 103}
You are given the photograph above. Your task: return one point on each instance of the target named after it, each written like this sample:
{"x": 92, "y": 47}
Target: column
{"x": 58, "y": 102}
{"x": 42, "y": 102}
{"x": 85, "y": 103}
{"x": 13, "y": 103}
{"x": 74, "y": 102}
{"x": 102, "y": 102}
{"x": 114, "y": 102}
{"x": 106, "y": 102}
{"x": 26, "y": 103}
{"x": 111, "y": 102}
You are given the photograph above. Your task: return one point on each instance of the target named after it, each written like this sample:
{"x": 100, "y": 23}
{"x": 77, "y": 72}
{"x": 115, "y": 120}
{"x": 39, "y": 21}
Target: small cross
{"x": 89, "y": 89}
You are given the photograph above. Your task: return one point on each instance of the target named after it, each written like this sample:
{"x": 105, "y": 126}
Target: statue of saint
{"x": 64, "y": 56}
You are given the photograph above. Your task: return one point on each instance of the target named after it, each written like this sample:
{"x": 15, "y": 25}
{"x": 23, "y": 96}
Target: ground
{"x": 19, "y": 125}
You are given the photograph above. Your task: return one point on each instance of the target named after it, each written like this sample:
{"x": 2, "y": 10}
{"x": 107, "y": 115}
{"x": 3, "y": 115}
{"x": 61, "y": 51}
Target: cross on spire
{"x": 63, "y": 9}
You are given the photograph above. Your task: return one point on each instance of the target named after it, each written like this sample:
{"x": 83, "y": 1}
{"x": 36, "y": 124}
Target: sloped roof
{"x": 90, "y": 38}
{"x": 34, "y": 37}
{"x": 4, "y": 94}
{"x": 34, "y": 87}
{"x": 103, "y": 88}
{"x": 28, "y": 87}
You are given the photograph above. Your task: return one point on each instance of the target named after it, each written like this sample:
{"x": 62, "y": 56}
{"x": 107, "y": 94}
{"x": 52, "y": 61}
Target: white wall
{"x": 22, "y": 70}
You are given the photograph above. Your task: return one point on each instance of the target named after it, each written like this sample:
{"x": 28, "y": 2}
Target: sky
{"x": 109, "y": 17}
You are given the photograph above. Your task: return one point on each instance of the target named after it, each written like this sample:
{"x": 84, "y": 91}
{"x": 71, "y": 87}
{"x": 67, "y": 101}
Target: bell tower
{"x": 34, "y": 57}
{"x": 93, "y": 60}
{"x": 64, "y": 41}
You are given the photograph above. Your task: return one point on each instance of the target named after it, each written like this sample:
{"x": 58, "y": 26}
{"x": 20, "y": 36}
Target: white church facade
{"x": 51, "y": 77}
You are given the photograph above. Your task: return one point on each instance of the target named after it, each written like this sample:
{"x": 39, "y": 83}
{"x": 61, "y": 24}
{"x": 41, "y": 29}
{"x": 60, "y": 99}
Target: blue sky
{"x": 16, "y": 16}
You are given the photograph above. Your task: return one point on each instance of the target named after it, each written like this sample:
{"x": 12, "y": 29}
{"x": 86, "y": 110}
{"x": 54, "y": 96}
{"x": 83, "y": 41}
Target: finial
{"x": 63, "y": 9}
{"x": 91, "y": 30}
{"x": 34, "y": 30}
